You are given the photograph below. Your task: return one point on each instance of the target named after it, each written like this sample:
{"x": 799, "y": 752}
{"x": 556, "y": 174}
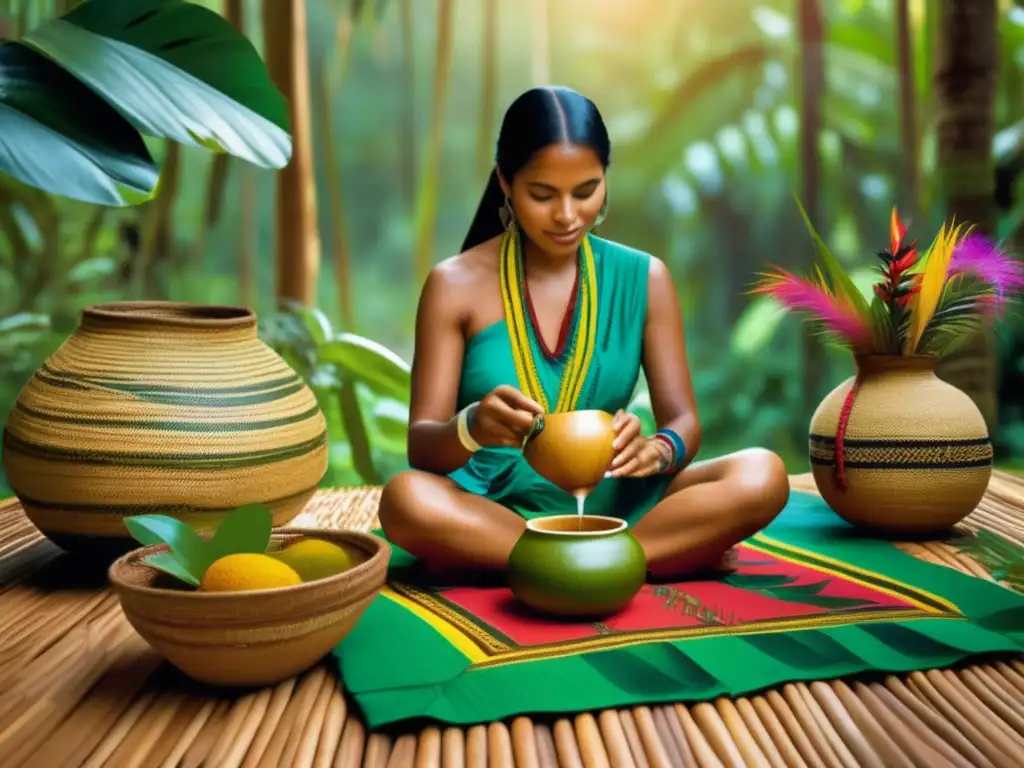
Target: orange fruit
{"x": 247, "y": 571}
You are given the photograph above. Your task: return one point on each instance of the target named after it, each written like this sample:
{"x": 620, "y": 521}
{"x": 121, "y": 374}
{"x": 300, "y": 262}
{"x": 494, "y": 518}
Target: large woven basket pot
{"x": 166, "y": 408}
{"x": 916, "y": 456}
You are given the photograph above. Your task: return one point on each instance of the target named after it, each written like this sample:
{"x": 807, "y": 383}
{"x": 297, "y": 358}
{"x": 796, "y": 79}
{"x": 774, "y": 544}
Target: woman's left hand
{"x": 634, "y": 454}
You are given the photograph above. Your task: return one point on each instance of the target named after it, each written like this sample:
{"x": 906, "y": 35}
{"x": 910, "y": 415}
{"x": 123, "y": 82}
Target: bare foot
{"x": 728, "y": 562}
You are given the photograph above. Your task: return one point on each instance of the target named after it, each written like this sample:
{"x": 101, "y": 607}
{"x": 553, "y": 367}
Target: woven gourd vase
{"x": 916, "y": 456}
{"x": 161, "y": 408}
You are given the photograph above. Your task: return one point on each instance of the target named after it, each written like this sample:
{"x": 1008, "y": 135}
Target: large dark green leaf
{"x": 369, "y": 363}
{"x": 175, "y": 70}
{"x": 59, "y": 136}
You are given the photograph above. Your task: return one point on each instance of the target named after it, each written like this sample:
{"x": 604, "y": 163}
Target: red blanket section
{"x": 763, "y": 588}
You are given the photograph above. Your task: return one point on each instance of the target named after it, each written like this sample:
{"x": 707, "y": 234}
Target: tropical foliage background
{"x": 719, "y": 113}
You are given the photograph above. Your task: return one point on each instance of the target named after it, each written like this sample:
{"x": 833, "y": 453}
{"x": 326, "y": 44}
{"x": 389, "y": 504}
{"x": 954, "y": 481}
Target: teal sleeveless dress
{"x": 501, "y": 474}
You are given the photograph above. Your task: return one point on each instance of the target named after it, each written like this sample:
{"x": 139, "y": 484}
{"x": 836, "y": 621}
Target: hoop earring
{"x": 602, "y": 214}
{"x": 507, "y": 215}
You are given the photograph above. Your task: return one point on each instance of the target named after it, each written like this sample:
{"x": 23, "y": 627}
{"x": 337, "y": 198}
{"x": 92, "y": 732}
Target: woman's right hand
{"x": 503, "y": 418}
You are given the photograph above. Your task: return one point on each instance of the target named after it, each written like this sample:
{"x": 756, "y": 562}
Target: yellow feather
{"x": 933, "y": 281}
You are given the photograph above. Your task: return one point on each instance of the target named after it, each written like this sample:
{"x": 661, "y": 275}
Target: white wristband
{"x": 462, "y": 424}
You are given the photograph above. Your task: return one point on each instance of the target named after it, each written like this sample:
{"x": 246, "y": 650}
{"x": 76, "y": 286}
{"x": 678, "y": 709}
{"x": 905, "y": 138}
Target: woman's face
{"x": 557, "y": 196}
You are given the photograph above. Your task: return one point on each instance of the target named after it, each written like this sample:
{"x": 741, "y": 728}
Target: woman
{"x": 499, "y": 339}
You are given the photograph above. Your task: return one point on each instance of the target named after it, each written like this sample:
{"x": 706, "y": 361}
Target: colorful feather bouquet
{"x": 924, "y": 303}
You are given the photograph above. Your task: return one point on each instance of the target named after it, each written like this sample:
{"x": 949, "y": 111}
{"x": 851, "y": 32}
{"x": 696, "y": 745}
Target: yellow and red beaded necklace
{"x": 581, "y": 348}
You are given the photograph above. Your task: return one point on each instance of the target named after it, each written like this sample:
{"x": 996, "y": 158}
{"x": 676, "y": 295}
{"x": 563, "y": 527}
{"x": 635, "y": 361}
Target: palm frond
{"x": 1000, "y": 556}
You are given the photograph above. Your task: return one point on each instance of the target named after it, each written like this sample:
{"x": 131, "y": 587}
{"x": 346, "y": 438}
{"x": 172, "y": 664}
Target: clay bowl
{"x": 573, "y": 566}
{"x": 252, "y": 638}
{"x": 572, "y": 450}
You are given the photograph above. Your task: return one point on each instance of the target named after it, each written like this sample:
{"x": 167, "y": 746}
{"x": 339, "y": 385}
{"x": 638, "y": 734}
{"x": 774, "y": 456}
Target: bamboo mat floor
{"x": 81, "y": 689}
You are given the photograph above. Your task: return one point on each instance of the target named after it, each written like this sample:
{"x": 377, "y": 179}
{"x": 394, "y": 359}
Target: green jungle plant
{"x": 78, "y": 92}
{"x": 362, "y": 387}
{"x": 245, "y": 529}
{"x": 1002, "y": 557}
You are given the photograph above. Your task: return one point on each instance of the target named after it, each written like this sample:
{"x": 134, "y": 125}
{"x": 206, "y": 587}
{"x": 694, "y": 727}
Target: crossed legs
{"x": 707, "y": 509}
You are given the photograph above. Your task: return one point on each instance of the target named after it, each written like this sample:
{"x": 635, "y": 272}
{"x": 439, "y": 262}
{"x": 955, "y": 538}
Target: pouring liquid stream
{"x": 581, "y": 499}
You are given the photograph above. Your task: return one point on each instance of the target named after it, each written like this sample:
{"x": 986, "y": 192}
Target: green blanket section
{"x": 397, "y": 666}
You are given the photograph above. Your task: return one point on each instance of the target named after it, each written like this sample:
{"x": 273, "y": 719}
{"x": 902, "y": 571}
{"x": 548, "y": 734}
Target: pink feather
{"x": 979, "y": 256}
{"x": 800, "y": 294}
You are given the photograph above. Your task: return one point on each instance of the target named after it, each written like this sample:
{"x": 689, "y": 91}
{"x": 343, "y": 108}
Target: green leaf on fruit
{"x": 245, "y": 529}
{"x": 166, "y": 562}
{"x": 183, "y": 543}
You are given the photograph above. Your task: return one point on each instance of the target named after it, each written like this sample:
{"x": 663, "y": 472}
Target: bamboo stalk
{"x": 672, "y": 735}
{"x": 547, "y": 752}
{"x": 403, "y": 752}
{"x": 330, "y": 736}
{"x": 305, "y": 749}
{"x": 298, "y": 708}
{"x": 453, "y": 748}
{"x": 846, "y": 729}
{"x": 353, "y": 739}
{"x": 79, "y": 735}
{"x": 657, "y": 755}
{"x": 476, "y": 747}
{"x": 378, "y": 749}
{"x": 881, "y": 745}
{"x": 176, "y": 756}
{"x": 239, "y": 729}
{"x": 565, "y": 745}
{"x": 588, "y": 736}
{"x": 703, "y": 753}
{"x": 713, "y": 727}
{"x": 792, "y": 710}
{"x": 614, "y": 736}
{"x": 177, "y": 730}
{"x": 22, "y": 726}
{"x": 932, "y": 719}
{"x": 759, "y": 732}
{"x": 268, "y": 725}
{"x": 134, "y": 751}
{"x": 843, "y": 754}
{"x": 197, "y": 751}
{"x": 636, "y": 747}
{"x": 795, "y": 753}
{"x": 991, "y": 695}
{"x": 984, "y": 738}
{"x": 428, "y": 749}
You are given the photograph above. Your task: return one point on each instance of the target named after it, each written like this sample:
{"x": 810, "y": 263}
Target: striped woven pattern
{"x": 161, "y": 407}
{"x": 82, "y": 689}
{"x": 903, "y": 454}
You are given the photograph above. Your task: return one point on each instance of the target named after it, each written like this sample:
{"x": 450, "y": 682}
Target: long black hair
{"x": 538, "y": 118}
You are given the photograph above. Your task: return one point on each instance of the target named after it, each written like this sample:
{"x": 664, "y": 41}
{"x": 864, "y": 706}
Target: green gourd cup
{"x": 579, "y": 567}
